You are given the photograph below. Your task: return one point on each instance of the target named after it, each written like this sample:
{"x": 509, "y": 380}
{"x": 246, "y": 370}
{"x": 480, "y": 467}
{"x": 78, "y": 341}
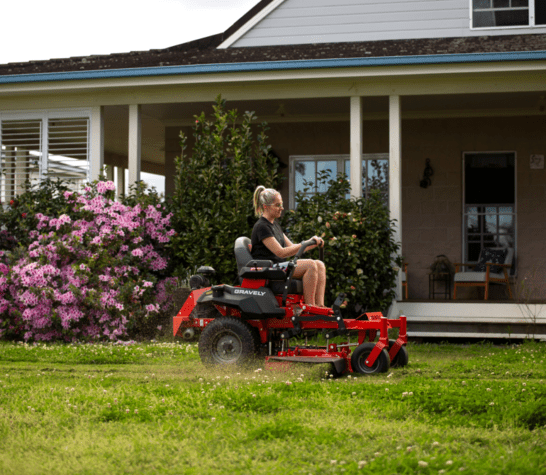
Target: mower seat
{"x": 274, "y": 276}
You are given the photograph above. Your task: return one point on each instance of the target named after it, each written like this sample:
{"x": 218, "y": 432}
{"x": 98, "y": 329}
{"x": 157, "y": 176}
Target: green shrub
{"x": 360, "y": 254}
{"x": 212, "y": 203}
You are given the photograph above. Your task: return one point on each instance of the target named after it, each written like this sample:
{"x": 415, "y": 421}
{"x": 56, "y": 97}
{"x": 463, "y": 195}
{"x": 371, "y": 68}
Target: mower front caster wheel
{"x": 401, "y": 358}
{"x": 227, "y": 341}
{"x": 361, "y": 354}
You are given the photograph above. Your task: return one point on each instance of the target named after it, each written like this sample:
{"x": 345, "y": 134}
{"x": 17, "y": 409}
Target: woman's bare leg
{"x": 321, "y": 284}
{"x": 307, "y": 270}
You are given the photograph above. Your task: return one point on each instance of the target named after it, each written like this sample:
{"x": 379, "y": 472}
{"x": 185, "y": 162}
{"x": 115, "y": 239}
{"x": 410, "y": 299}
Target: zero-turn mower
{"x": 266, "y": 315}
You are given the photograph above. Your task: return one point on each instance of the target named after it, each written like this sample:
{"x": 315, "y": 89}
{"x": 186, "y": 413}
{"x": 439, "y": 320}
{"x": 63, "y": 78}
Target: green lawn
{"x": 153, "y": 408}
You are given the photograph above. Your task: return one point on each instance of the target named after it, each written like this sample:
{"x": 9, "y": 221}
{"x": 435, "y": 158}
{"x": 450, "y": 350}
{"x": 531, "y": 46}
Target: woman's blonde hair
{"x": 263, "y": 196}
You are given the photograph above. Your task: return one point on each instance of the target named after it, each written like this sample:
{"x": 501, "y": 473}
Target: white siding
{"x": 335, "y": 21}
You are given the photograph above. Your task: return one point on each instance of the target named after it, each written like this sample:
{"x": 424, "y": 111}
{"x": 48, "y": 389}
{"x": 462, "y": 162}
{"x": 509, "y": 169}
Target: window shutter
{"x": 68, "y": 150}
{"x": 21, "y": 150}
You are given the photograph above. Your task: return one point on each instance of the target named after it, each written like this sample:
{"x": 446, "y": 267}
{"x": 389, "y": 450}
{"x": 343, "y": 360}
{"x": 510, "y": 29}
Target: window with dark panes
{"x": 489, "y": 202}
{"x": 306, "y": 171}
{"x": 540, "y": 12}
{"x": 499, "y": 13}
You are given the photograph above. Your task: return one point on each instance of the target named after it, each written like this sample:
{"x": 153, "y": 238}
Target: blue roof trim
{"x": 276, "y": 66}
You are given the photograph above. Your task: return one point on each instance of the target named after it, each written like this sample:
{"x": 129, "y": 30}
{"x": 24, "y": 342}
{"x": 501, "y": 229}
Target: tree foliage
{"x": 212, "y": 204}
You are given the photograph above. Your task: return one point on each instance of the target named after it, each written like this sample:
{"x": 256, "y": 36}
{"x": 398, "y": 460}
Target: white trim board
{"x": 250, "y": 24}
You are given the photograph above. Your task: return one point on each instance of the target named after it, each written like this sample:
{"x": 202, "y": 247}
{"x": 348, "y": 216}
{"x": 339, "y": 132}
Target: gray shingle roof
{"x": 205, "y": 51}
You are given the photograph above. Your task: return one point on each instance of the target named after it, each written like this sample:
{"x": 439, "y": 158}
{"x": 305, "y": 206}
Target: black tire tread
{"x": 381, "y": 365}
{"x": 235, "y": 325}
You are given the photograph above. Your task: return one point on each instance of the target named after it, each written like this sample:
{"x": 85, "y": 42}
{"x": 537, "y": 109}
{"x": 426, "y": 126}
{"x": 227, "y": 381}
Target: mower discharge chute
{"x": 262, "y": 314}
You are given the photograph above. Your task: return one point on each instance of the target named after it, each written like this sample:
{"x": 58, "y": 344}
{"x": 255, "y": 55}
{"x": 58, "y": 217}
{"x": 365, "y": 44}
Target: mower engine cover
{"x": 252, "y": 303}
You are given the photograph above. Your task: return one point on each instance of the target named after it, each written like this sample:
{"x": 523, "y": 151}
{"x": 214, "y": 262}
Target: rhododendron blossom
{"x": 94, "y": 277}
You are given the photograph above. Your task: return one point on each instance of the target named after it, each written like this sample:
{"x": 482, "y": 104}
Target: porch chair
{"x": 405, "y": 280}
{"x": 492, "y": 268}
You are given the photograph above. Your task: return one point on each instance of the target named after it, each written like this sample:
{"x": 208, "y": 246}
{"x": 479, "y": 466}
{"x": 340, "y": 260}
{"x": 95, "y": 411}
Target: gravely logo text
{"x": 249, "y": 292}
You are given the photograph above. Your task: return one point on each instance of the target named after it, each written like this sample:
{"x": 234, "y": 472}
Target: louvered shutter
{"x": 34, "y": 146}
{"x": 21, "y": 150}
{"x": 68, "y": 150}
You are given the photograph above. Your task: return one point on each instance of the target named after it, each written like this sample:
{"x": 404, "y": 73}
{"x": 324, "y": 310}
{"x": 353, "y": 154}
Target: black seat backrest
{"x": 243, "y": 256}
{"x": 242, "y": 252}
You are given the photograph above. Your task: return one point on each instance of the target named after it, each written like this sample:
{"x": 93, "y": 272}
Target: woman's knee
{"x": 321, "y": 268}
{"x": 309, "y": 267}
{"x": 312, "y": 266}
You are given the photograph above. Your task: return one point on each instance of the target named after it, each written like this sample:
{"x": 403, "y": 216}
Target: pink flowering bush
{"x": 96, "y": 274}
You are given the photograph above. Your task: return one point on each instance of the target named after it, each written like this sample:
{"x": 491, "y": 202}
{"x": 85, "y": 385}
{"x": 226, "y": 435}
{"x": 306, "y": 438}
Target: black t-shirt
{"x": 262, "y": 230}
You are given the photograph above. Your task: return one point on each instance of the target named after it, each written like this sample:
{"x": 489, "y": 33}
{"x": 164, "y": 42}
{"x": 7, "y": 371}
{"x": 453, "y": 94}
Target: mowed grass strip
{"x": 153, "y": 408}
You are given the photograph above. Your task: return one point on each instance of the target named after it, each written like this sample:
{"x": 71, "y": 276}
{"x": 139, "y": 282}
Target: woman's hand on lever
{"x": 318, "y": 240}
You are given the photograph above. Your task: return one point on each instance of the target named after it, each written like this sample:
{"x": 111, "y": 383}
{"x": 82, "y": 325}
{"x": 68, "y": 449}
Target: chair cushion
{"x": 475, "y": 276}
{"x": 403, "y": 274}
{"x": 496, "y": 256}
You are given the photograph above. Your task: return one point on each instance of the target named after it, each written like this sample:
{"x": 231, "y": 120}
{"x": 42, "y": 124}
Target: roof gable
{"x": 297, "y": 22}
{"x": 247, "y": 22}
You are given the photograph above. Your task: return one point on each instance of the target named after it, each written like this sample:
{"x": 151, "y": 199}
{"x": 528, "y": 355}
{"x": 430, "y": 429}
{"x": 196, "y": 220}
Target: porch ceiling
{"x": 155, "y": 117}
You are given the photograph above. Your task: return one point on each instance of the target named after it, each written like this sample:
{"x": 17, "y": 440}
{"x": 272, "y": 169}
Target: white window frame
{"x": 340, "y": 158}
{"x": 531, "y": 23}
{"x": 45, "y": 115}
{"x": 512, "y": 272}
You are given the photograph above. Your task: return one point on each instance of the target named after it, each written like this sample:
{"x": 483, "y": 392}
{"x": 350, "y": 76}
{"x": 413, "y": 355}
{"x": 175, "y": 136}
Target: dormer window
{"x": 508, "y": 13}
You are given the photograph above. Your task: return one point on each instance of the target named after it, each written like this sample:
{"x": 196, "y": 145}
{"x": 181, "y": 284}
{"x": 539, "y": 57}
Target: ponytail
{"x": 263, "y": 196}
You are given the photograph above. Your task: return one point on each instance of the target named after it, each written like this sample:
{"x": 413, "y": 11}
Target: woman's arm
{"x": 290, "y": 250}
{"x": 275, "y": 247}
{"x": 319, "y": 240}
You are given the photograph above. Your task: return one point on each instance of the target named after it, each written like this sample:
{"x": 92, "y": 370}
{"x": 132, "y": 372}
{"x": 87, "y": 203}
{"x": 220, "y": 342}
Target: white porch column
{"x": 120, "y": 181}
{"x": 134, "y": 142}
{"x": 96, "y": 143}
{"x": 395, "y": 174}
{"x": 356, "y": 146}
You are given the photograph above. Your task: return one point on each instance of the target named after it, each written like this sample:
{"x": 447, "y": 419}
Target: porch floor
{"x": 474, "y": 301}
{"x": 473, "y": 318}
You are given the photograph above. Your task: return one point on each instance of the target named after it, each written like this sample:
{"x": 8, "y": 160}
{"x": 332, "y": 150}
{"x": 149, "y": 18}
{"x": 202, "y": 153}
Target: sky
{"x": 46, "y": 29}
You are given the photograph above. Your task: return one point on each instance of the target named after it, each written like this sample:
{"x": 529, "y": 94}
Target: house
{"x": 376, "y": 89}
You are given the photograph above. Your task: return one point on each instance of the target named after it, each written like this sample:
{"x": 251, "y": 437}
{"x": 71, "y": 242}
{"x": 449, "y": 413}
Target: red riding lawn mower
{"x": 266, "y": 311}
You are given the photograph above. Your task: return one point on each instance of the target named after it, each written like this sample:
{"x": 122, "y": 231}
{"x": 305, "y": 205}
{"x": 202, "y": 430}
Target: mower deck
{"x": 339, "y": 363}
{"x": 300, "y": 319}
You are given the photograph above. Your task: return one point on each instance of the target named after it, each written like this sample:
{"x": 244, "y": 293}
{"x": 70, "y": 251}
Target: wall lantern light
{"x": 426, "y": 182}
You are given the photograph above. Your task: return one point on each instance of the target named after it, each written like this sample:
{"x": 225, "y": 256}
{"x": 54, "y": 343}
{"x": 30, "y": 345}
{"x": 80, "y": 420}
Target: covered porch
{"x": 403, "y": 115}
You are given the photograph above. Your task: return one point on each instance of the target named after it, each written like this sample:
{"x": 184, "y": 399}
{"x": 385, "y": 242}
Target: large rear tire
{"x": 362, "y": 352}
{"x": 227, "y": 341}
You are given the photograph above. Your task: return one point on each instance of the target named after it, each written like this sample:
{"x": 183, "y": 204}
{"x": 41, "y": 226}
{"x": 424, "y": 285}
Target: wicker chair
{"x": 488, "y": 272}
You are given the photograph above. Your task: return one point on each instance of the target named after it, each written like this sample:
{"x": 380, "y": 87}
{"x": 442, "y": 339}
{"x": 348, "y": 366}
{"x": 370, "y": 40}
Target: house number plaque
{"x": 537, "y": 162}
